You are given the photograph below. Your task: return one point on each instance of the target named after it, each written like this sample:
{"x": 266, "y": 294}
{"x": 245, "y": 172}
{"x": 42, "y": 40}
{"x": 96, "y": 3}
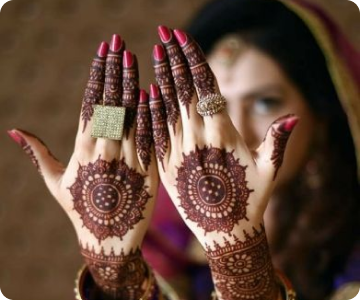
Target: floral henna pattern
{"x": 243, "y": 269}
{"x": 281, "y": 135}
{"x": 163, "y": 78}
{"x": 203, "y": 76}
{"x": 213, "y": 189}
{"x": 160, "y": 130}
{"x": 110, "y": 197}
{"x": 112, "y": 89}
{"x": 143, "y": 137}
{"x": 182, "y": 79}
{"x": 94, "y": 89}
{"x": 130, "y": 93}
{"x": 118, "y": 276}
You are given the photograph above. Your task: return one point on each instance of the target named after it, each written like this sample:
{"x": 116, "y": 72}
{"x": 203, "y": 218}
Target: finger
{"x": 93, "y": 92}
{"x": 270, "y": 153}
{"x": 130, "y": 83}
{"x": 182, "y": 77}
{"x": 113, "y": 73}
{"x": 165, "y": 82}
{"x": 47, "y": 165}
{"x": 159, "y": 126}
{"x": 203, "y": 77}
{"x": 143, "y": 136}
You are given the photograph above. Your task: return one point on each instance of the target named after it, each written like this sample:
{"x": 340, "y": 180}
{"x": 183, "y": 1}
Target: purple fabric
{"x": 352, "y": 269}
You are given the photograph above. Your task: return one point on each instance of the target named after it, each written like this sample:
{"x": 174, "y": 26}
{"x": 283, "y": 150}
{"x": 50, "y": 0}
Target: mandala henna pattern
{"x": 160, "y": 130}
{"x": 113, "y": 77}
{"x": 143, "y": 137}
{"x": 110, "y": 197}
{"x": 164, "y": 80}
{"x": 203, "y": 76}
{"x": 281, "y": 136}
{"x": 213, "y": 189}
{"x": 130, "y": 95}
{"x": 94, "y": 89}
{"x": 243, "y": 269}
{"x": 118, "y": 276}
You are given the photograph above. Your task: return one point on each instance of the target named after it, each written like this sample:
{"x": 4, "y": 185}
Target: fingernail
{"x": 128, "y": 59}
{"x": 154, "y": 91}
{"x": 164, "y": 33}
{"x": 290, "y": 123}
{"x": 180, "y": 36}
{"x": 159, "y": 52}
{"x": 17, "y": 138}
{"x": 116, "y": 43}
{"x": 103, "y": 49}
{"x": 143, "y": 96}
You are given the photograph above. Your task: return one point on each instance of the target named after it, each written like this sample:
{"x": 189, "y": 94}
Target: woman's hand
{"x": 219, "y": 186}
{"x": 109, "y": 186}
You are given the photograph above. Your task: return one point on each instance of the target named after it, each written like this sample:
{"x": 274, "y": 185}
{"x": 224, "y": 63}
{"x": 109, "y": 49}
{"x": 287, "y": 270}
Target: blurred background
{"x": 46, "y": 47}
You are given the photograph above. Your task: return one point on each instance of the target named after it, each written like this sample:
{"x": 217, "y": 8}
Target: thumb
{"x": 48, "y": 166}
{"x": 270, "y": 153}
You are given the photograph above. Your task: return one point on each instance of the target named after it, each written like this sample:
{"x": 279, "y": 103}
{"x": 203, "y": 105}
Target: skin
{"x": 258, "y": 92}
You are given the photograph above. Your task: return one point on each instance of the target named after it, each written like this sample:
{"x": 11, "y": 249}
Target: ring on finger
{"x": 210, "y": 105}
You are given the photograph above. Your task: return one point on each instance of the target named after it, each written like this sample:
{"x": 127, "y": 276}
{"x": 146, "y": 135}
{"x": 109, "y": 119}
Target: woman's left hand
{"x": 220, "y": 187}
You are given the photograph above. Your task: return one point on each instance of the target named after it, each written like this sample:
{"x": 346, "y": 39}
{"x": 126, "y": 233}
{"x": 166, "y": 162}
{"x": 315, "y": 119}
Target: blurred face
{"x": 257, "y": 93}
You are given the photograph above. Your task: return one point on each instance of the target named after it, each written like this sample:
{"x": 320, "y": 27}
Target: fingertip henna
{"x": 143, "y": 137}
{"x": 159, "y": 126}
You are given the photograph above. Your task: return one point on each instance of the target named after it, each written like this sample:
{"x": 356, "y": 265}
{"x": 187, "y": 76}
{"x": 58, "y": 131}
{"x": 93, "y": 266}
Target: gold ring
{"x": 210, "y": 105}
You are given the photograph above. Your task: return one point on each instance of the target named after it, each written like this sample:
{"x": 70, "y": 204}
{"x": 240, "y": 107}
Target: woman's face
{"x": 258, "y": 92}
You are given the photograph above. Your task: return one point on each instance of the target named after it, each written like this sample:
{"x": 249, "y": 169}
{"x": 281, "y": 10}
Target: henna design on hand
{"x": 243, "y": 270}
{"x": 164, "y": 79}
{"x": 94, "y": 89}
{"x": 143, "y": 136}
{"x": 130, "y": 90}
{"x": 213, "y": 189}
{"x": 113, "y": 77}
{"x": 110, "y": 197}
{"x": 203, "y": 76}
{"x": 281, "y": 135}
{"x": 159, "y": 126}
{"x": 118, "y": 276}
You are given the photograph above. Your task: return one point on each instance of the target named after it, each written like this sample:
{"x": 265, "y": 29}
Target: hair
{"x": 317, "y": 215}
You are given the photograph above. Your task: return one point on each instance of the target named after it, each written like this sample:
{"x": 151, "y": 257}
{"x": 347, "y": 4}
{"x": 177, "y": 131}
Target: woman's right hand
{"x": 109, "y": 186}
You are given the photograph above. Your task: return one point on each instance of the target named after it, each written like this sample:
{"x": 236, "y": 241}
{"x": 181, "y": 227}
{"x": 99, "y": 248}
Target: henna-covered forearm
{"x": 242, "y": 269}
{"x": 123, "y": 276}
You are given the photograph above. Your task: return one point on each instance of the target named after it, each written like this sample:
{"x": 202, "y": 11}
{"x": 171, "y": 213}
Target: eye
{"x": 266, "y": 105}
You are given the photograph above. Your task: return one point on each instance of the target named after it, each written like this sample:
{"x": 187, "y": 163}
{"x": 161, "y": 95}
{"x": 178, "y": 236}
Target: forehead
{"x": 250, "y": 69}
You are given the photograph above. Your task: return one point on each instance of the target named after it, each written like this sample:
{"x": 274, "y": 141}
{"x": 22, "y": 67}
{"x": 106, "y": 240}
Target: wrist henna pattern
{"x": 164, "y": 80}
{"x": 94, "y": 89}
{"x": 213, "y": 189}
{"x": 203, "y": 76}
{"x": 160, "y": 130}
{"x": 110, "y": 197}
{"x": 130, "y": 95}
{"x": 182, "y": 79}
{"x": 118, "y": 276}
{"x": 112, "y": 88}
{"x": 143, "y": 137}
{"x": 281, "y": 136}
{"x": 243, "y": 270}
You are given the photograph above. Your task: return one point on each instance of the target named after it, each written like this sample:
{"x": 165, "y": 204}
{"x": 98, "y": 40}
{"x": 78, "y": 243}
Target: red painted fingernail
{"x": 164, "y": 33}
{"x": 144, "y": 97}
{"x": 159, "y": 52}
{"x": 128, "y": 59}
{"x": 154, "y": 91}
{"x": 17, "y": 138}
{"x": 180, "y": 36}
{"x": 103, "y": 49}
{"x": 116, "y": 43}
{"x": 290, "y": 123}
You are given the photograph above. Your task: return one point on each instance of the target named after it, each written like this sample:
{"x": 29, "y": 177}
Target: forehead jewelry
{"x": 108, "y": 122}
